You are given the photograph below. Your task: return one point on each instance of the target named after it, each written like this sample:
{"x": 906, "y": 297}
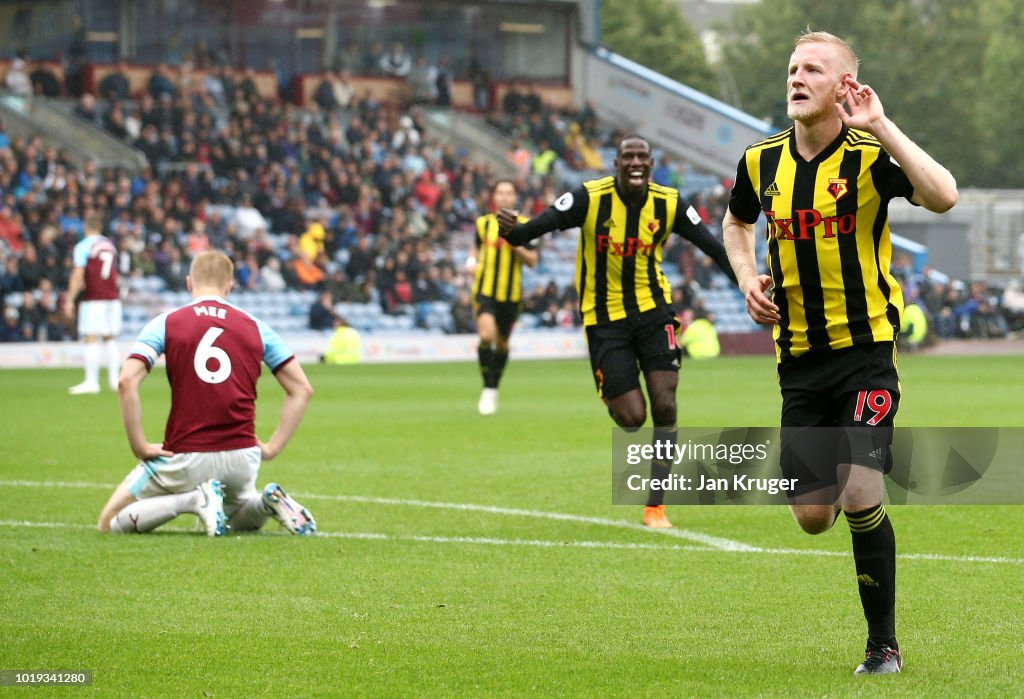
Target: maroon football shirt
{"x": 214, "y": 352}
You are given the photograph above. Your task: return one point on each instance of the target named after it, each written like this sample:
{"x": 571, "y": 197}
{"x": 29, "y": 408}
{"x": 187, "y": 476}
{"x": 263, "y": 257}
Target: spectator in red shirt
{"x": 426, "y": 191}
{"x": 11, "y": 231}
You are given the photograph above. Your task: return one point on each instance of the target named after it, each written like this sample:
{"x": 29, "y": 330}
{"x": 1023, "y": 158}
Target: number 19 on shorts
{"x": 877, "y": 402}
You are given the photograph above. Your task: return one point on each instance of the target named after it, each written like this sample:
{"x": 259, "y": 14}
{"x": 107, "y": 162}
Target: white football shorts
{"x": 236, "y": 469}
{"x": 99, "y": 318}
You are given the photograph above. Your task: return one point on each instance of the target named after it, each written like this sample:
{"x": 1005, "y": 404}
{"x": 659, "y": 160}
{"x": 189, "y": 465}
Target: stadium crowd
{"x": 354, "y": 202}
{"x": 346, "y": 196}
{"x": 956, "y": 309}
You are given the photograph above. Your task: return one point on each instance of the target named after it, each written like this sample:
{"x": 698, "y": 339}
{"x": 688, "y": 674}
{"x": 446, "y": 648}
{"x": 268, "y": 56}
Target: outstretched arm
{"x": 700, "y": 236}
{"x": 934, "y": 186}
{"x": 522, "y": 233}
{"x": 297, "y": 394}
{"x": 739, "y": 244}
{"x": 133, "y": 373}
{"x": 568, "y": 211}
{"x": 689, "y": 225}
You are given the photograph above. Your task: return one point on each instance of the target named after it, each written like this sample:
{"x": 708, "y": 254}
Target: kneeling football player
{"x": 210, "y": 457}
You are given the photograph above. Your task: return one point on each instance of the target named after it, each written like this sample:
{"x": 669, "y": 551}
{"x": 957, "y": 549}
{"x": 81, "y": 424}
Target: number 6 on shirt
{"x": 207, "y": 351}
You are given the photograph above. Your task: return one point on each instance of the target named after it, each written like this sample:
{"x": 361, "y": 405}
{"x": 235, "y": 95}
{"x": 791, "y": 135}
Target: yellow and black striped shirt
{"x": 828, "y": 238}
{"x": 499, "y": 271}
{"x": 618, "y": 260}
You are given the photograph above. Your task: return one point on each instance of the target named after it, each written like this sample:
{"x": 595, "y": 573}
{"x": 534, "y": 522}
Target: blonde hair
{"x": 849, "y": 59}
{"x": 212, "y": 268}
{"x": 93, "y": 223}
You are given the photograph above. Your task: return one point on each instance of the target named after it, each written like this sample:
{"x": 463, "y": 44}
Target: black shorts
{"x": 621, "y": 349}
{"x": 837, "y": 408}
{"x": 505, "y": 312}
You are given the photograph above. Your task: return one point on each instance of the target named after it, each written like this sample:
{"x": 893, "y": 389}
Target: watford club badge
{"x": 654, "y": 226}
{"x": 837, "y": 187}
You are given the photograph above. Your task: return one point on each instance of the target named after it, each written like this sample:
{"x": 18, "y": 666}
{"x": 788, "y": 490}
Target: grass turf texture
{"x": 176, "y": 614}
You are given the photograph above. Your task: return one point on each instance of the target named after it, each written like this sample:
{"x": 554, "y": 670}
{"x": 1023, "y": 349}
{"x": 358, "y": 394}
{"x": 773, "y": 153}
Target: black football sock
{"x": 500, "y": 360}
{"x": 661, "y": 464}
{"x": 485, "y": 355}
{"x": 874, "y": 553}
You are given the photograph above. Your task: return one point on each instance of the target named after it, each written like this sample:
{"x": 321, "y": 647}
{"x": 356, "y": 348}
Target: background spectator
{"x": 45, "y": 83}
{"x": 462, "y": 313}
{"x": 160, "y": 83}
{"x": 422, "y": 82}
{"x": 443, "y": 83}
{"x": 17, "y": 81}
{"x": 10, "y": 330}
{"x": 321, "y": 313}
{"x": 396, "y": 63}
{"x": 115, "y": 85}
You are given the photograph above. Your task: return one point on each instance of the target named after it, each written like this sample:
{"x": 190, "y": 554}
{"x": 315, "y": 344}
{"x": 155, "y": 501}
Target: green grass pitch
{"x": 469, "y": 556}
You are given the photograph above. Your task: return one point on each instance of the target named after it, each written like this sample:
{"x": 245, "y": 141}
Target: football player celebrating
{"x": 824, "y": 185}
{"x": 625, "y": 299}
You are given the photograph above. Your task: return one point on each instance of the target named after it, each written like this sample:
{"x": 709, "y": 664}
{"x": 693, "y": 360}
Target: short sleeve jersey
{"x": 499, "y": 271}
{"x": 98, "y": 257}
{"x": 618, "y": 260}
{"x": 214, "y": 353}
{"x": 829, "y": 247}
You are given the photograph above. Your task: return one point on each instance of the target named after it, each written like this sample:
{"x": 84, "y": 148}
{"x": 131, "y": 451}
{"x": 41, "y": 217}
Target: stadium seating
{"x": 288, "y": 310}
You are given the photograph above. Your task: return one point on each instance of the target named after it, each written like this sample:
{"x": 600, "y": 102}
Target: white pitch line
{"x": 545, "y": 543}
{"x": 715, "y": 542}
{"x": 54, "y": 484}
{"x": 43, "y": 525}
{"x": 720, "y": 545}
{"x": 377, "y": 536}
